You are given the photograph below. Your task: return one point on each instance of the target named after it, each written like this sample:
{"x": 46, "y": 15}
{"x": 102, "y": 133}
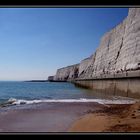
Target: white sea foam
{"x": 81, "y": 100}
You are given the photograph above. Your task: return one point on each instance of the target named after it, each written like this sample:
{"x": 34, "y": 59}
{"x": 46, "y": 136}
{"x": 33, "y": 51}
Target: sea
{"x": 19, "y": 93}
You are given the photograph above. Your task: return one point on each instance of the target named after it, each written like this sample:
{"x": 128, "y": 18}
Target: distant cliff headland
{"x": 115, "y": 65}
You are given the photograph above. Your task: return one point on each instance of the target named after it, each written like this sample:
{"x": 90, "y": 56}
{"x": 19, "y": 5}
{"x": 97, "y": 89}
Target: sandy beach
{"x": 44, "y": 117}
{"x": 114, "y": 118}
{"x": 71, "y": 117}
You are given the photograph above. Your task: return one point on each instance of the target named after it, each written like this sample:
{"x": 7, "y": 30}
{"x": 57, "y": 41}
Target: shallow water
{"x": 36, "y": 92}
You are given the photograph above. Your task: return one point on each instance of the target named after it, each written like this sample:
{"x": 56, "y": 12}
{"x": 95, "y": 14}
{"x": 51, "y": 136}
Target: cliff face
{"x": 50, "y": 78}
{"x": 119, "y": 51}
{"x": 67, "y": 73}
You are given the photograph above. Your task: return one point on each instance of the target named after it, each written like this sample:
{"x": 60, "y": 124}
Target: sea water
{"x": 36, "y": 92}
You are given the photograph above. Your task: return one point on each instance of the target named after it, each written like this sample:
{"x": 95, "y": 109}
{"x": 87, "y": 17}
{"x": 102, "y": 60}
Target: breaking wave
{"x": 13, "y": 101}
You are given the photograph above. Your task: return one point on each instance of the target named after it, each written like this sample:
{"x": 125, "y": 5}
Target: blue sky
{"x": 35, "y": 42}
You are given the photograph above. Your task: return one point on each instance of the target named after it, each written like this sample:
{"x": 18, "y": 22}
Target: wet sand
{"x": 71, "y": 117}
{"x": 44, "y": 117}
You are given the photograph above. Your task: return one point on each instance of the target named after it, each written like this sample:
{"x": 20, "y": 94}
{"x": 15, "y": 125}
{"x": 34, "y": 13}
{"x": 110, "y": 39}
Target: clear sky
{"x": 35, "y": 42}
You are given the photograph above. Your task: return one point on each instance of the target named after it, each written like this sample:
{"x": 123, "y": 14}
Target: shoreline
{"x": 43, "y": 117}
{"x": 71, "y": 117}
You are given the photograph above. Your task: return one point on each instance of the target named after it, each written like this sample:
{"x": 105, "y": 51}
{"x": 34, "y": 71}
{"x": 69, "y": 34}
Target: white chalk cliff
{"x": 119, "y": 51}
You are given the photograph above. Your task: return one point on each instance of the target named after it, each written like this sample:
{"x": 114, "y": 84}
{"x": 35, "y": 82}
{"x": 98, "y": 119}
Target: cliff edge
{"x": 118, "y": 52}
